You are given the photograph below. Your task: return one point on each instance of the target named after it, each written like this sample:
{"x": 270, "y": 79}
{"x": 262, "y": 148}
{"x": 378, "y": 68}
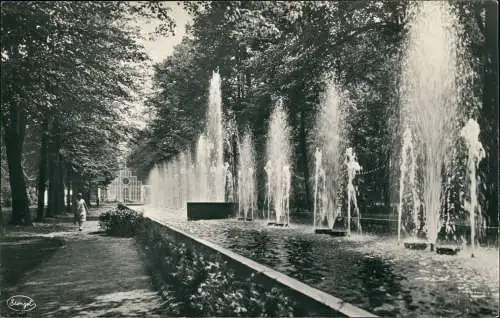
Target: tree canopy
{"x": 69, "y": 73}
{"x": 266, "y": 49}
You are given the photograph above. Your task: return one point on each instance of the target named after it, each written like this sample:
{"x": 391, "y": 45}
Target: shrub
{"x": 122, "y": 221}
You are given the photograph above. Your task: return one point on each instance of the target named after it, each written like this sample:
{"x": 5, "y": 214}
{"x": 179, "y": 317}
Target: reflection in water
{"x": 301, "y": 258}
{"x": 257, "y": 243}
{"x": 382, "y": 286}
{"x": 370, "y": 272}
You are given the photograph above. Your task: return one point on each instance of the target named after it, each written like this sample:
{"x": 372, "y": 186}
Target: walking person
{"x": 80, "y": 211}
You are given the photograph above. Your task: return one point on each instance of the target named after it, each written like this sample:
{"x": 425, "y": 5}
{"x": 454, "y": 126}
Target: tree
{"x": 479, "y": 20}
{"x": 268, "y": 49}
{"x": 55, "y": 56}
{"x": 286, "y": 48}
{"x": 178, "y": 108}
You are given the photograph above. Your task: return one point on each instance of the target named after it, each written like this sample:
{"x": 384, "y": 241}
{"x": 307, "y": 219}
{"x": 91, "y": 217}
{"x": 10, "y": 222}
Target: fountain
{"x": 246, "y": 179}
{"x": 269, "y": 177}
{"x": 228, "y": 183}
{"x": 202, "y": 168}
{"x": 470, "y": 133}
{"x": 287, "y": 185}
{"x": 201, "y": 183}
{"x": 353, "y": 168}
{"x": 329, "y": 169}
{"x": 319, "y": 210}
{"x": 278, "y": 168}
{"x": 430, "y": 96}
{"x": 215, "y": 135}
{"x": 213, "y": 173}
{"x": 321, "y": 213}
{"x": 448, "y": 287}
{"x": 408, "y": 174}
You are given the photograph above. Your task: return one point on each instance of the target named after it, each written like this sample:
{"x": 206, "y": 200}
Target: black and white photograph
{"x": 249, "y": 159}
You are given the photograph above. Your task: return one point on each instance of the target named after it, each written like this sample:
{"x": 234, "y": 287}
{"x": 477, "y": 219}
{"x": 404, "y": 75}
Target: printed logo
{"x": 21, "y": 303}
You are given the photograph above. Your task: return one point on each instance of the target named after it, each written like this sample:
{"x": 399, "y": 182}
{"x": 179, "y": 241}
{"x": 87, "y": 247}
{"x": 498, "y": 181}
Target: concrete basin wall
{"x": 211, "y": 210}
{"x": 311, "y": 300}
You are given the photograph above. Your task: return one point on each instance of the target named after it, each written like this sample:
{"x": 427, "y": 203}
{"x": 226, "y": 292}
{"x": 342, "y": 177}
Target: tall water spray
{"x": 353, "y": 168}
{"x": 246, "y": 178}
{"x": 228, "y": 182}
{"x": 171, "y": 182}
{"x": 408, "y": 181}
{"x": 183, "y": 181}
{"x": 278, "y": 167}
{"x": 210, "y": 172}
{"x": 202, "y": 166}
{"x": 154, "y": 182}
{"x": 214, "y": 131}
{"x": 231, "y": 139}
{"x": 320, "y": 208}
{"x": 430, "y": 98}
{"x": 203, "y": 178}
{"x": 329, "y": 169}
{"x": 470, "y": 133}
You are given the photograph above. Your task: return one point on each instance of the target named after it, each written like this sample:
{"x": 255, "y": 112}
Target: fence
{"x": 125, "y": 188}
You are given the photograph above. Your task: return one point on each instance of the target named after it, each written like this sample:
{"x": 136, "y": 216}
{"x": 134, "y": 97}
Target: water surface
{"x": 371, "y": 272}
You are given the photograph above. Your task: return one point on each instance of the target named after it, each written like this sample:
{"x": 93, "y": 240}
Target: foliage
{"x": 268, "y": 49}
{"x": 181, "y": 86}
{"x": 70, "y": 71}
{"x": 155, "y": 9}
{"x": 121, "y": 221}
{"x": 194, "y": 283}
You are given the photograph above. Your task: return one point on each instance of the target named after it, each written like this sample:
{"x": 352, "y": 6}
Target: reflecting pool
{"x": 370, "y": 271}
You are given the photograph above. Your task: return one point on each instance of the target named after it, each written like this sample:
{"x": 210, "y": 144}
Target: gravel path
{"x": 76, "y": 274}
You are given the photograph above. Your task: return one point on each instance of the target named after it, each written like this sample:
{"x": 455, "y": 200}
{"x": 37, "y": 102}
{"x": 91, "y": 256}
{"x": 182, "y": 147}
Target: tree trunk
{"x": 2, "y": 227}
{"x": 53, "y": 187}
{"x": 76, "y": 189}
{"x": 56, "y": 189}
{"x": 86, "y": 194}
{"x": 50, "y": 190}
{"x": 305, "y": 160}
{"x": 234, "y": 145}
{"x": 60, "y": 186}
{"x": 56, "y": 177}
{"x": 68, "y": 189}
{"x": 42, "y": 170}
{"x": 98, "y": 199}
{"x": 15, "y": 125}
{"x": 53, "y": 156}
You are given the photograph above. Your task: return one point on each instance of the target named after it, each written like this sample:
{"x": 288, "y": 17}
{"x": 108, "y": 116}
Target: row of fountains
{"x": 432, "y": 88}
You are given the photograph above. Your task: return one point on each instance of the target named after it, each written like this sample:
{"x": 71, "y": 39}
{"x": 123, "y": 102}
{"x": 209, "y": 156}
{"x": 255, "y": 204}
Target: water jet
{"x": 329, "y": 168}
{"x": 246, "y": 178}
{"x": 198, "y": 186}
{"x": 429, "y": 113}
{"x": 278, "y": 167}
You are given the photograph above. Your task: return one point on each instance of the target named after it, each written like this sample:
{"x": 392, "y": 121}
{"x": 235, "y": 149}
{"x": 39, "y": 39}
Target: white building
{"x": 125, "y": 188}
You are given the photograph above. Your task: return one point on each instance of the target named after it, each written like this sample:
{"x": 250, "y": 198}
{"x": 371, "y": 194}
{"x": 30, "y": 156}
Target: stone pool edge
{"x": 328, "y": 300}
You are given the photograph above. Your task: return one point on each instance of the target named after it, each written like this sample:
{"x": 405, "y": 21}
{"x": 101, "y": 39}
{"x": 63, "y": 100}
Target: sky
{"x": 162, "y": 47}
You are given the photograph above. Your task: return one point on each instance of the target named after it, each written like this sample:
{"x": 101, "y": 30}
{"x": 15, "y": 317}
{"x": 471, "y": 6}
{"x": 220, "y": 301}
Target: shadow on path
{"x": 19, "y": 255}
{"x": 77, "y": 274}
